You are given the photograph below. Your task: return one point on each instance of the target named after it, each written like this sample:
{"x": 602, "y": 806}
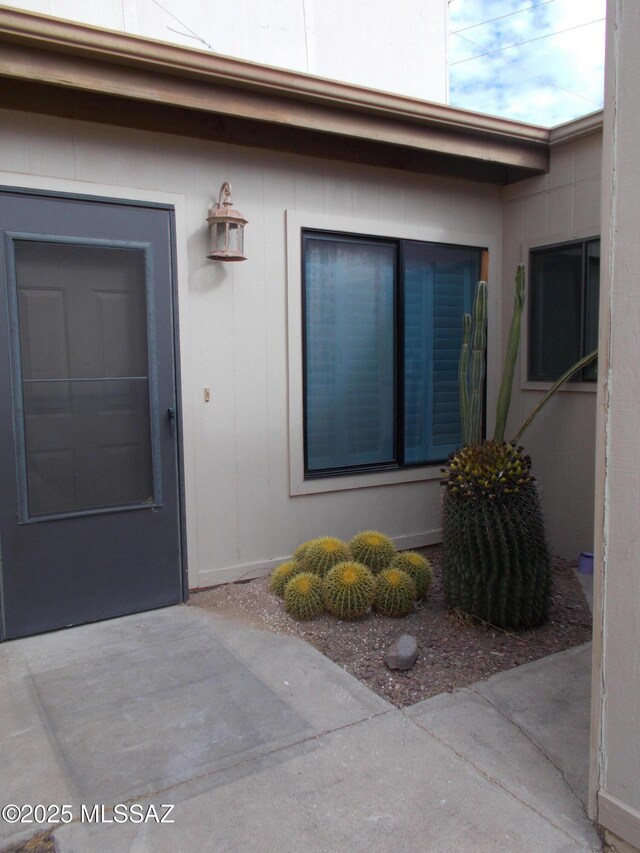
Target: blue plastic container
{"x": 585, "y": 562}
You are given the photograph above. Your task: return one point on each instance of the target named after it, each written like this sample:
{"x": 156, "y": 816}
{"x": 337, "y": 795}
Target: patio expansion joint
{"x": 534, "y": 744}
{"x": 146, "y": 795}
{"x": 495, "y": 781}
{"x": 50, "y": 734}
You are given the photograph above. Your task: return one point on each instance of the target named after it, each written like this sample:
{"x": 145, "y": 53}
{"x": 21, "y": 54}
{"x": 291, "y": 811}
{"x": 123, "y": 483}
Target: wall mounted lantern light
{"x": 226, "y": 229}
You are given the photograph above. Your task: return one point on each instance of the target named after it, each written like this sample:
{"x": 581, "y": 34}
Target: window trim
{"x": 526, "y": 384}
{"x": 296, "y": 222}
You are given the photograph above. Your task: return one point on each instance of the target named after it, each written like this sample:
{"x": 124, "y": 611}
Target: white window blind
{"x": 349, "y": 348}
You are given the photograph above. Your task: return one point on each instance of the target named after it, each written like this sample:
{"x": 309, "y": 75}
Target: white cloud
{"x": 546, "y": 81}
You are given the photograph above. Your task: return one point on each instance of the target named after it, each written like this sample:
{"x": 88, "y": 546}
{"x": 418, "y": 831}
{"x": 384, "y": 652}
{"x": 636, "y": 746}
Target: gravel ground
{"x": 452, "y": 652}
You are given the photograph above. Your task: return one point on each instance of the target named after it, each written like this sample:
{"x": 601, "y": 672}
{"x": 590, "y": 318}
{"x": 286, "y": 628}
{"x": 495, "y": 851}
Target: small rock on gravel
{"x": 403, "y": 653}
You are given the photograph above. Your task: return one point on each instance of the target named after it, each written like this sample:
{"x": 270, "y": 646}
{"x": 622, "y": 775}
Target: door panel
{"x": 89, "y": 516}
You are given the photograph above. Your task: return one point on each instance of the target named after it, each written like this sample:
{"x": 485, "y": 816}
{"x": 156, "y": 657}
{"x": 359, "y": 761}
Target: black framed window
{"x": 563, "y": 309}
{"x": 382, "y": 329}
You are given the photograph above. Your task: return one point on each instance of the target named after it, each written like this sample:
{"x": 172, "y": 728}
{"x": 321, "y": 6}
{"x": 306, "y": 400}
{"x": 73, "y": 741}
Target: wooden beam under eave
{"x": 82, "y": 74}
{"x": 165, "y": 118}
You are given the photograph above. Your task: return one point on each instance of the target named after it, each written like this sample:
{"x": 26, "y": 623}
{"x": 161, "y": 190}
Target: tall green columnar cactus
{"x": 496, "y": 562}
{"x": 463, "y": 377}
{"x": 513, "y": 345}
{"x": 471, "y": 366}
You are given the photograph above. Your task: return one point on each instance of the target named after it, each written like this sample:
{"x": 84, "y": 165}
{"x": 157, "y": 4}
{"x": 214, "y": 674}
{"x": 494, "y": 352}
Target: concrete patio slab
{"x": 549, "y": 700}
{"x": 114, "y": 711}
{"x": 262, "y": 744}
{"x": 496, "y": 747}
{"x": 380, "y": 785}
{"x": 292, "y": 667}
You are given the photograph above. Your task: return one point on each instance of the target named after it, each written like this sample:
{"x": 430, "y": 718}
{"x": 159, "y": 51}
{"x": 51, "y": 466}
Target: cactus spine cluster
{"x": 373, "y": 549}
{"x": 395, "y": 593}
{"x": 301, "y": 550}
{"x": 323, "y": 553}
{"x": 418, "y": 568}
{"x": 282, "y": 575}
{"x": 303, "y": 595}
{"x": 490, "y": 470}
{"x": 348, "y": 590}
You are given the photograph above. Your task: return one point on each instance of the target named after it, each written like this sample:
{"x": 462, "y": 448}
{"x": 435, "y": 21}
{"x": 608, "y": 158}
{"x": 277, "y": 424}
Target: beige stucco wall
{"x": 559, "y": 206}
{"x": 615, "y": 781}
{"x": 238, "y": 330}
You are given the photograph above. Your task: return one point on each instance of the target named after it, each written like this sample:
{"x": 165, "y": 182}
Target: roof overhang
{"x": 61, "y": 68}
{"x": 570, "y": 131}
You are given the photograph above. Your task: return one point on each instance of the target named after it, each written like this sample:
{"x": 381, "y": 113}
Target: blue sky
{"x": 548, "y": 80}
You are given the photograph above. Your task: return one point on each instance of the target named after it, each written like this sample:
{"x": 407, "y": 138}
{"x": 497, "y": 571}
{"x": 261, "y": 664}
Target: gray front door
{"x": 89, "y": 495}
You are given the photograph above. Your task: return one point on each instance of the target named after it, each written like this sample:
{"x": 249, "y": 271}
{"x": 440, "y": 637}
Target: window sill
{"x": 365, "y": 480}
{"x": 579, "y": 387}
